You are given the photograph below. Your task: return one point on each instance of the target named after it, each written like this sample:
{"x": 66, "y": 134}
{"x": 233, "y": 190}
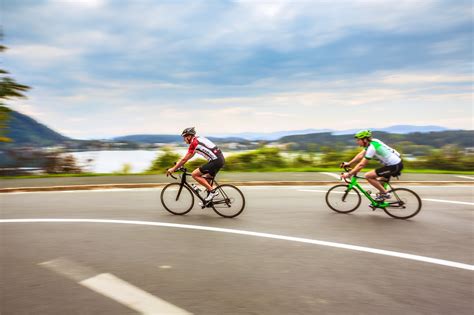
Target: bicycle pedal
{"x": 205, "y": 205}
{"x": 372, "y": 207}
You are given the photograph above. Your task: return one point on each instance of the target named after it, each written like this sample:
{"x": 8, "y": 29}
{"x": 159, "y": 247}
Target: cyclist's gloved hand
{"x": 169, "y": 172}
{"x": 344, "y": 164}
{"x": 345, "y": 175}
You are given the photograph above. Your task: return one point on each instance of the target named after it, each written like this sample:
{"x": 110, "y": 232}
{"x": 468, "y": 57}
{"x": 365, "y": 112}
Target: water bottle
{"x": 196, "y": 188}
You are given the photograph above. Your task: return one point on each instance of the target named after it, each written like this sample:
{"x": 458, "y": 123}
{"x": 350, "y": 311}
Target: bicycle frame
{"x": 185, "y": 183}
{"x": 353, "y": 184}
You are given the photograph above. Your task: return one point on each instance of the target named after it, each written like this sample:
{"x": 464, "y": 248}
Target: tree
{"x": 4, "y": 116}
{"x": 164, "y": 161}
{"x": 9, "y": 89}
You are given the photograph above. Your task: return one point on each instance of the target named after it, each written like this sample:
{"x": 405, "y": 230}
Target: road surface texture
{"x": 122, "y": 258}
{"x": 223, "y": 177}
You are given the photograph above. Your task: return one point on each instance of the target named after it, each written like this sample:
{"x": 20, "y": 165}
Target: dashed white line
{"x": 127, "y": 294}
{"x": 449, "y": 201}
{"x": 425, "y": 199}
{"x": 467, "y": 177}
{"x": 314, "y": 190}
{"x": 257, "y": 234}
{"x": 332, "y": 175}
{"x": 102, "y": 190}
{"x": 263, "y": 187}
{"x": 113, "y": 287}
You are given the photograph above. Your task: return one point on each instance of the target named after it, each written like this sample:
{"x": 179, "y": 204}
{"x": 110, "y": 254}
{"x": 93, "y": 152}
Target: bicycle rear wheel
{"x": 177, "y": 199}
{"x": 341, "y": 200}
{"x": 403, "y": 203}
{"x": 230, "y": 202}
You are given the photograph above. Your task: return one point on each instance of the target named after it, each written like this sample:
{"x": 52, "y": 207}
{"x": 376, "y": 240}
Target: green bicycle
{"x": 345, "y": 198}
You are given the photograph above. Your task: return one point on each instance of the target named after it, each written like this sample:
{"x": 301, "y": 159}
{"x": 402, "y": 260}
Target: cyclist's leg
{"x": 197, "y": 175}
{"x": 211, "y": 168}
{"x": 372, "y": 179}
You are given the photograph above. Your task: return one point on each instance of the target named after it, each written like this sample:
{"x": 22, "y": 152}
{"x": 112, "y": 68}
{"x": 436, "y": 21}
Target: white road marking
{"x": 127, "y": 294}
{"x": 425, "y": 199}
{"x": 263, "y": 187}
{"x": 314, "y": 190}
{"x": 257, "y": 234}
{"x": 449, "y": 201}
{"x": 82, "y": 191}
{"x": 467, "y": 177}
{"x": 114, "y": 288}
{"x": 332, "y": 175}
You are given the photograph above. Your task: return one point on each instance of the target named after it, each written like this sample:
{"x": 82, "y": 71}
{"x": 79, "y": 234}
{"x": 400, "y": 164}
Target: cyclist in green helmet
{"x": 374, "y": 148}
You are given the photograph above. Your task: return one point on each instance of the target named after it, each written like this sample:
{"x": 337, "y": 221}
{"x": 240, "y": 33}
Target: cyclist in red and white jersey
{"x": 209, "y": 151}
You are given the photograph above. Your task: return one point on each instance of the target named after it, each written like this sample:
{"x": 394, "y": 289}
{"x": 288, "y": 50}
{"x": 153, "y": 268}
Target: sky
{"x": 106, "y": 68}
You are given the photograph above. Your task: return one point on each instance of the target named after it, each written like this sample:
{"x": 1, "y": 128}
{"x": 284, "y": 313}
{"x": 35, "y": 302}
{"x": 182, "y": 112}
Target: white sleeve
{"x": 370, "y": 152}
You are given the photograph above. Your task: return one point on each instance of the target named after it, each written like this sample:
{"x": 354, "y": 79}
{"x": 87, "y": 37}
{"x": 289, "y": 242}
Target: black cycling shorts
{"x": 212, "y": 167}
{"x": 390, "y": 170}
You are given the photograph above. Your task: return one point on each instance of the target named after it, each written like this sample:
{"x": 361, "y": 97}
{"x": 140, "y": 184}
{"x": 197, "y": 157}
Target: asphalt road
{"x": 85, "y": 267}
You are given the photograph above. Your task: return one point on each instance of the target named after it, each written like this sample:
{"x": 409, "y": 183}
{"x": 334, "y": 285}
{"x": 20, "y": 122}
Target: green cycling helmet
{"x": 363, "y": 134}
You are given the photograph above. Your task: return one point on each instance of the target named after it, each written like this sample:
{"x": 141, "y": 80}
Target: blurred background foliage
{"x": 448, "y": 157}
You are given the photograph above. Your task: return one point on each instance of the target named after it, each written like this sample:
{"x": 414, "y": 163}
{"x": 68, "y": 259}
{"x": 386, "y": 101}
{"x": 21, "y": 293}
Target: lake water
{"x": 113, "y": 161}
{"x": 139, "y": 160}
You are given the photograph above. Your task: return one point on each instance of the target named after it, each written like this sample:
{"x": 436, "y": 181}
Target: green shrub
{"x": 260, "y": 159}
{"x": 165, "y": 160}
{"x": 126, "y": 169}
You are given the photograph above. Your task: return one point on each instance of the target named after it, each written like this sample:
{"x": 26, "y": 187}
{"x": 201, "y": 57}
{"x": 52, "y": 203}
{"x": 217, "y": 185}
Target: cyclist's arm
{"x": 359, "y": 166}
{"x": 357, "y": 158}
{"x": 183, "y": 161}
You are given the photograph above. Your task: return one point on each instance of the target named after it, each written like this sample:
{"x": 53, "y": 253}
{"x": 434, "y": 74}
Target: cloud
{"x": 42, "y": 56}
{"x": 236, "y": 66}
{"x": 420, "y": 78}
{"x": 93, "y": 4}
{"x": 452, "y": 45}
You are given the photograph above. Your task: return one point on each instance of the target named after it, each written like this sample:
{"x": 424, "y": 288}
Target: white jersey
{"x": 382, "y": 152}
{"x": 205, "y": 148}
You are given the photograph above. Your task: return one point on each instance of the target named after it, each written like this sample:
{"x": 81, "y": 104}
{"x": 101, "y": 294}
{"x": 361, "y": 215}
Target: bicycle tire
{"x": 332, "y": 198}
{"x": 403, "y": 195}
{"x": 170, "y": 192}
{"x": 229, "y": 195}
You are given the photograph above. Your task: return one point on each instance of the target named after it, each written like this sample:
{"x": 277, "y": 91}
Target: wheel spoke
{"x": 342, "y": 200}
{"x": 177, "y": 199}
{"x": 230, "y": 202}
{"x": 403, "y": 204}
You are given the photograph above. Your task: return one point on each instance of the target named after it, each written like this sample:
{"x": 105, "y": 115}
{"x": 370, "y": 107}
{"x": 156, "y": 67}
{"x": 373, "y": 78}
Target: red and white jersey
{"x": 204, "y": 147}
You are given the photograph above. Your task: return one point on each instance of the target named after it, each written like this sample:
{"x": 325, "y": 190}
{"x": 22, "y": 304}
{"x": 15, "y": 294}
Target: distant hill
{"x": 272, "y": 136}
{"x": 25, "y": 131}
{"x": 150, "y": 138}
{"x": 401, "y": 129}
{"x": 170, "y": 139}
{"x": 462, "y": 138}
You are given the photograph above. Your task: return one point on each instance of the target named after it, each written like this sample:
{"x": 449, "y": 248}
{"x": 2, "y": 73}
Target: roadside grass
{"x": 266, "y": 170}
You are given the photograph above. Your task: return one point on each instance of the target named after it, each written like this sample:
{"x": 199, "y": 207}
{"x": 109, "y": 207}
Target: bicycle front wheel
{"x": 230, "y": 202}
{"x": 177, "y": 199}
{"x": 403, "y": 203}
{"x": 342, "y": 200}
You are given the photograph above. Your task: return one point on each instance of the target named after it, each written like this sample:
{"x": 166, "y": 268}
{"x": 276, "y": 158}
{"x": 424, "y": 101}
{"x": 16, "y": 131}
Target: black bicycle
{"x": 178, "y": 198}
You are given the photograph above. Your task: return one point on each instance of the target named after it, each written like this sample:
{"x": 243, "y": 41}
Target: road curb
{"x": 247, "y": 183}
